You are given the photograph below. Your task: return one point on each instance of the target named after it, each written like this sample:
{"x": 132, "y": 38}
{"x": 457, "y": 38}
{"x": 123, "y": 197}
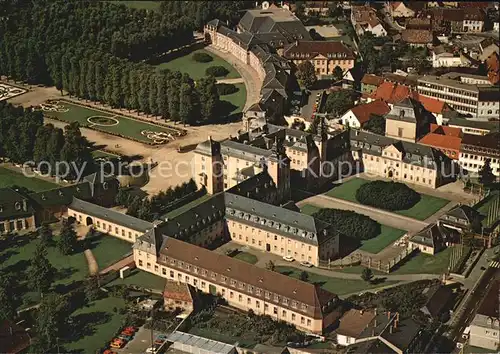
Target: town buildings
{"x": 417, "y": 37}
{"x": 448, "y": 58}
{"x": 473, "y": 127}
{"x": 408, "y": 120}
{"x": 364, "y": 19}
{"x": 357, "y": 116}
{"x": 443, "y": 138}
{"x": 485, "y": 327}
{"x": 476, "y": 149}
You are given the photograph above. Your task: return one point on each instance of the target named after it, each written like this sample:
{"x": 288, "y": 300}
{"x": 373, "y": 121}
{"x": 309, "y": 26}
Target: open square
{"x": 9, "y": 91}
{"x": 107, "y": 122}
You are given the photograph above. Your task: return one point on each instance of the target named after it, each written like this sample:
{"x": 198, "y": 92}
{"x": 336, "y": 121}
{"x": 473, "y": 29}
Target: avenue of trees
{"x": 387, "y": 195}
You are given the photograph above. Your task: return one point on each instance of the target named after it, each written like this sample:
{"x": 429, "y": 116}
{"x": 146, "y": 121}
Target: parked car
{"x": 306, "y": 264}
{"x": 159, "y": 341}
{"x": 130, "y": 329}
{"x": 125, "y": 336}
{"x": 162, "y": 336}
{"x": 117, "y": 343}
{"x": 288, "y": 258}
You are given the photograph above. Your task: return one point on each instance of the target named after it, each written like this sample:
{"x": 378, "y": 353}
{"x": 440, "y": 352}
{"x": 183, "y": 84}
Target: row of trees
{"x": 349, "y": 223}
{"x": 387, "y": 195}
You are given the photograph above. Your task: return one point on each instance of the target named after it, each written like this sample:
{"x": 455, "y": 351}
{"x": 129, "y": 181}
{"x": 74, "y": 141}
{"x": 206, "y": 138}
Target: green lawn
{"x": 486, "y": 204}
{"x": 97, "y": 324}
{"x": 387, "y": 234}
{"x": 9, "y": 178}
{"x": 426, "y": 207}
{"x": 15, "y": 256}
{"x": 108, "y": 250}
{"x": 146, "y": 5}
{"x": 103, "y": 154}
{"x": 246, "y": 257}
{"x": 126, "y": 127}
{"x": 426, "y": 264}
{"x": 196, "y": 70}
{"x": 335, "y": 285}
{"x": 176, "y": 212}
{"x": 142, "y": 279}
{"x": 386, "y": 237}
{"x": 357, "y": 270}
{"x": 237, "y": 99}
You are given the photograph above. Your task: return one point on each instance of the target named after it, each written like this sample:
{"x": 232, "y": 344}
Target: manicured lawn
{"x": 358, "y": 270}
{"x": 335, "y": 285}
{"x": 126, "y": 127}
{"x": 103, "y": 154}
{"x": 386, "y": 237}
{"x": 15, "y": 256}
{"x": 246, "y": 257}
{"x": 484, "y": 206}
{"x": 196, "y": 70}
{"x": 176, "y": 212}
{"x": 426, "y": 207}
{"x": 108, "y": 250}
{"x": 237, "y": 99}
{"x": 9, "y": 178}
{"x": 146, "y": 5}
{"x": 97, "y": 324}
{"x": 142, "y": 279}
{"x": 387, "y": 234}
{"x": 426, "y": 264}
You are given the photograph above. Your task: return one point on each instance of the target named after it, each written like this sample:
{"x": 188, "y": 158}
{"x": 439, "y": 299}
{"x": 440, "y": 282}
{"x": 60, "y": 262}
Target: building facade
{"x": 485, "y": 327}
{"x": 476, "y": 149}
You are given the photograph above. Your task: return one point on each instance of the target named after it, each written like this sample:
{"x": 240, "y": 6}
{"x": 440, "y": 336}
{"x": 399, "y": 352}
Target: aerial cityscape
{"x": 251, "y": 177}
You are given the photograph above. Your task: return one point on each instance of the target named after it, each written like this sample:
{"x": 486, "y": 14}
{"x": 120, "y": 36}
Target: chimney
{"x": 210, "y": 137}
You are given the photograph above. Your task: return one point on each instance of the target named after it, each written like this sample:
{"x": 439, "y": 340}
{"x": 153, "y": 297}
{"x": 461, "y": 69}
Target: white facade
{"x": 485, "y": 333}
{"x": 377, "y": 31}
{"x": 496, "y": 26}
{"x": 401, "y": 10}
{"x": 473, "y": 162}
{"x": 350, "y": 119}
{"x": 473, "y": 26}
{"x": 448, "y": 60}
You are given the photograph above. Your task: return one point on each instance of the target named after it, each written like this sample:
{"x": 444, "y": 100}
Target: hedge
{"x": 349, "y": 223}
{"x": 387, "y": 195}
{"x": 202, "y": 57}
{"x": 226, "y": 89}
{"x": 216, "y": 71}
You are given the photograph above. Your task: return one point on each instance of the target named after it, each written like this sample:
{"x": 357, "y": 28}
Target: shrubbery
{"x": 387, "y": 195}
{"x": 202, "y": 57}
{"x": 226, "y": 89}
{"x": 349, "y": 223}
{"x": 216, "y": 71}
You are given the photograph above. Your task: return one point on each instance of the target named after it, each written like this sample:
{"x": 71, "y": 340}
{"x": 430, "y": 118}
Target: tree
{"x": 387, "y": 195}
{"x": 306, "y": 74}
{"x": 7, "y": 304}
{"x": 349, "y": 223}
{"x": 45, "y": 234}
{"x": 486, "y": 175}
{"x": 40, "y": 272}
{"x": 339, "y": 102}
{"x": 270, "y": 266}
{"x": 68, "y": 239}
{"x": 50, "y": 321}
{"x": 338, "y": 74}
{"x": 92, "y": 289}
{"x": 122, "y": 197}
{"x": 304, "y": 276}
{"x": 376, "y": 125}
{"x": 367, "y": 275}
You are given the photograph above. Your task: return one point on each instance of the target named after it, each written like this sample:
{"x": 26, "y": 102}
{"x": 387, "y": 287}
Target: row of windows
{"x": 268, "y": 235}
{"x": 14, "y": 225}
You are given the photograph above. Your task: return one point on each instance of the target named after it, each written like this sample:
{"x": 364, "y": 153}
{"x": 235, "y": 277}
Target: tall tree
{"x": 7, "y": 303}
{"x": 40, "y": 272}
{"x": 486, "y": 175}
{"x": 339, "y": 102}
{"x": 51, "y": 321}
{"x": 367, "y": 275}
{"x": 92, "y": 289}
{"x": 306, "y": 74}
{"x": 67, "y": 239}
{"x": 187, "y": 109}
{"x": 45, "y": 234}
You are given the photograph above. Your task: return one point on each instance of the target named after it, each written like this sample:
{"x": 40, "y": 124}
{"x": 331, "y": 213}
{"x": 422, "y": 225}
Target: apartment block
{"x": 476, "y": 149}
{"x": 485, "y": 327}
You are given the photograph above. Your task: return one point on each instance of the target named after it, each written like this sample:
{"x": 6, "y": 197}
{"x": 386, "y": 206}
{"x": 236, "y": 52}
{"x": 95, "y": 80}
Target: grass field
{"x": 237, "y": 99}
{"x": 336, "y": 285}
{"x": 103, "y": 154}
{"x": 126, "y": 127}
{"x": 196, "y": 70}
{"x": 141, "y": 279}
{"x": 176, "y": 212}
{"x": 97, "y": 324}
{"x": 145, "y": 5}
{"x": 246, "y": 257}
{"x": 9, "y": 178}
{"x": 426, "y": 264}
{"x": 387, "y": 234}
{"x": 108, "y": 249}
{"x": 426, "y": 207}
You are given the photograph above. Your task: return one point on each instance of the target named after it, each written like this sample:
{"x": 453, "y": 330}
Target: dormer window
{"x": 17, "y": 206}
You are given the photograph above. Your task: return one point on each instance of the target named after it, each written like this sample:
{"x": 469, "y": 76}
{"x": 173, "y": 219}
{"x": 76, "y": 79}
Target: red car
{"x": 129, "y": 329}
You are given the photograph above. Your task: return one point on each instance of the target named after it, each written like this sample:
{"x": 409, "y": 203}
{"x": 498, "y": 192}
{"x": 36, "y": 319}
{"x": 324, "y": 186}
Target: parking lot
{"x": 140, "y": 343}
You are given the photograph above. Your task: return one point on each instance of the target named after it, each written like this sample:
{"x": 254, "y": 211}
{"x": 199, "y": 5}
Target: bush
{"x": 226, "y": 89}
{"x": 349, "y": 223}
{"x": 387, "y": 195}
{"x": 216, "y": 71}
{"x": 202, "y": 57}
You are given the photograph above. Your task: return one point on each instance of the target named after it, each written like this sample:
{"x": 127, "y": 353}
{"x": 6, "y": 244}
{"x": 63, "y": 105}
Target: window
{"x": 140, "y": 262}
{"x": 240, "y": 298}
{"x": 275, "y": 310}
{"x": 257, "y": 304}
{"x": 308, "y": 322}
{"x": 283, "y": 314}
{"x": 293, "y": 317}
{"x": 302, "y": 321}
{"x": 171, "y": 274}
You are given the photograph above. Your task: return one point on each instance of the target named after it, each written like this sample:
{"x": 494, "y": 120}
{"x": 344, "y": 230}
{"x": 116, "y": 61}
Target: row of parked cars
{"x": 159, "y": 340}
{"x": 121, "y": 340}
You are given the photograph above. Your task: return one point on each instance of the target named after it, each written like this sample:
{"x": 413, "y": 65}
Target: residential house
{"x": 320, "y": 7}
{"x": 370, "y": 83}
{"x": 324, "y": 55}
{"x": 177, "y": 295}
{"x": 442, "y": 58}
{"x": 485, "y": 327}
{"x": 400, "y": 160}
{"x": 438, "y": 298}
{"x": 445, "y": 139}
{"x": 357, "y": 116}
{"x": 357, "y": 326}
{"x": 399, "y": 9}
{"x": 418, "y": 23}
{"x": 462, "y": 218}
{"x": 417, "y": 38}
{"x": 391, "y": 93}
{"x": 17, "y": 212}
{"x": 476, "y": 149}
{"x": 448, "y": 20}
{"x": 472, "y": 127}
{"x": 364, "y": 19}
{"x": 431, "y": 239}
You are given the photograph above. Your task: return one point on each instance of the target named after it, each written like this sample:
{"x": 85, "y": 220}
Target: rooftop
{"x": 324, "y": 48}
{"x": 204, "y": 345}
{"x": 371, "y": 79}
{"x": 489, "y": 141}
{"x": 417, "y": 36}
{"x": 363, "y": 112}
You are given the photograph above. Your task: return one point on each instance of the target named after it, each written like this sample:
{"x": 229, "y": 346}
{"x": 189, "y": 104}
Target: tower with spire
{"x": 278, "y": 167}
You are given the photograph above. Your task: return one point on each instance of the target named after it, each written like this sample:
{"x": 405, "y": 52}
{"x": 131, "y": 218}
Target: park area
{"x": 374, "y": 245}
{"x": 10, "y": 178}
{"x": 426, "y": 207}
{"x": 107, "y": 122}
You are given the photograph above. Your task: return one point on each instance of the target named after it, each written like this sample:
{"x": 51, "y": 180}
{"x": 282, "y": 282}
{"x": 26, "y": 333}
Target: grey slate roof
{"x": 432, "y": 235}
{"x": 244, "y": 151}
{"x": 110, "y": 215}
{"x": 208, "y": 147}
{"x": 63, "y": 195}
{"x": 462, "y": 214}
{"x": 462, "y": 122}
{"x": 14, "y": 205}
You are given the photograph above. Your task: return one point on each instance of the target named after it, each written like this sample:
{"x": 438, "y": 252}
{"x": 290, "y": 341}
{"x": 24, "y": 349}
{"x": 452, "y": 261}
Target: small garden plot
{"x": 10, "y": 178}
{"x": 107, "y": 122}
{"x": 9, "y": 91}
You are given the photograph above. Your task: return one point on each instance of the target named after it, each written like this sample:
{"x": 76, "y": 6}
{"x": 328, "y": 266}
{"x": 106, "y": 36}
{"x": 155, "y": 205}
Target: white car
{"x": 306, "y": 264}
{"x": 151, "y": 350}
{"x": 288, "y": 258}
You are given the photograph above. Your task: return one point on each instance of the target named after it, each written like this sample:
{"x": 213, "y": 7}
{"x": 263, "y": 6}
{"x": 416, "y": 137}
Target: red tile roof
{"x": 441, "y": 141}
{"x": 363, "y": 111}
{"x": 493, "y": 68}
{"x": 445, "y": 130}
{"x": 371, "y": 79}
{"x": 431, "y": 104}
{"x": 416, "y": 36}
{"x": 391, "y": 93}
{"x": 177, "y": 291}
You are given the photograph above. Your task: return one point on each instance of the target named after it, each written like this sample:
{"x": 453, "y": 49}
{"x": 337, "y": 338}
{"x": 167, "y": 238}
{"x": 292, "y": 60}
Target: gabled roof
{"x": 255, "y": 108}
{"x": 437, "y": 298}
{"x": 371, "y": 79}
{"x": 208, "y": 147}
{"x": 432, "y": 235}
{"x": 14, "y": 204}
{"x": 431, "y": 104}
{"x": 363, "y": 112}
{"x": 391, "y": 93}
{"x": 463, "y": 212}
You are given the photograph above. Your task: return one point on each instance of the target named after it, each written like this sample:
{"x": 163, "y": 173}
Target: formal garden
{"x": 108, "y": 122}
{"x": 371, "y": 236}
{"x": 11, "y": 178}
{"x": 393, "y": 196}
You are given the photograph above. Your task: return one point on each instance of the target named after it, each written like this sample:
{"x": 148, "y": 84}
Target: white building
{"x": 485, "y": 327}
{"x": 476, "y": 149}
{"x": 442, "y": 58}
{"x": 360, "y": 114}
{"x": 399, "y": 9}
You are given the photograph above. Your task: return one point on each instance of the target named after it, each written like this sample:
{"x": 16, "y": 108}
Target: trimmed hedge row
{"x": 226, "y": 89}
{"x": 217, "y": 71}
{"x": 350, "y": 224}
{"x": 387, "y": 195}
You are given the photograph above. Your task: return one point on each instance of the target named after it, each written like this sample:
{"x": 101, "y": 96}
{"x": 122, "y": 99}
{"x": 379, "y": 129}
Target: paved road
{"x": 251, "y": 78}
{"x": 381, "y": 216}
{"x": 238, "y": 80}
